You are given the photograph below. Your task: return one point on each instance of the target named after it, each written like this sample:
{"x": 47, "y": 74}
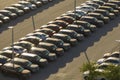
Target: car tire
{"x": 86, "y": 78}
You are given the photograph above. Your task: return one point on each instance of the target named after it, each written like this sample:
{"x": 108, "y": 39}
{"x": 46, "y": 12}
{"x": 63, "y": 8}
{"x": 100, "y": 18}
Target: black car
{"x": 72, "y": 34}
{"x": 32, "y": 39}
{"x": 9, "y": 53}
{"x": 4, "y": 18}
{"x": 76, "y": 16}
{"x": 19, "y": 12}
{"x": 60, "y": 23}
{"x": 99, "y": 2}
{"x": 86, "y": 25}
{"x": 52, "y": 48}
{"x": 59, "y": 43}
{"x": 26, "y": 64}
{"x": 22, "y": 7}
{"x": 95, "y": 5}
{"x": 79, "y": 29}
{"x": 80, "y": 12}
{"x": 114, "y": 6}
{"x": 65, "y": 38}
{"x": 115, "y": 2}
{"x": 16, "y": 70}
{"x": 110, "y": 9}
{"x": 47, "y": 31}
{"x": 28, "y": 4}
{"x": 3, "y": 59}
{"x": 38, "y": 3}
{"x": 44, "y": 53}
{"x": 99, "y": 17}
{"x": 17, "y": 49}
{"x": 93, "y": 21}
{"x": 40, "y": 35}
{"x": 34, "y": 58}
{"x": 25, "y": 44}
{"x": 1, "y": 23}
{"x": 9, "y": 14}
{"x": 105, "y": 13}
{"x": 68, "y": 19}
{"x": 54, "y": 27}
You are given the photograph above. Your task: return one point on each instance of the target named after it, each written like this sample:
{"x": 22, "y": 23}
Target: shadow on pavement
{"x": 28, "y": 15}
{"x": 61, "y": 62}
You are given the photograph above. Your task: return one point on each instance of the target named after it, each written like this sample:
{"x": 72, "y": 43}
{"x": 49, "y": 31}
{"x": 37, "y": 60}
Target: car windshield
{"x": 37, "y": 58}
{"x": 1, "y": 16}
{"x": 81, "y": 28}
{"x": 19, "y": 69}
{"x": 46, "y": 52}
{"x": 28, "y": 63}
{"x": 112, "y": 61}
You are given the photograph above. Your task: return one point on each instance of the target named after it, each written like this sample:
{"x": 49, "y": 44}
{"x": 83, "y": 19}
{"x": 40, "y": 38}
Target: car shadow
{"x": 74, "y": 52}
{"x": 28, "y": 15}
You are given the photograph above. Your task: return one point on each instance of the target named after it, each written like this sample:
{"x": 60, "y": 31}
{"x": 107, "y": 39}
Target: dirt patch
{"x": 5, "y": 3}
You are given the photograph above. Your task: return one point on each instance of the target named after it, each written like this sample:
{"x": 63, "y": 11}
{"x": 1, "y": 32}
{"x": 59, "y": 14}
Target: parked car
{"x": 44, "y": 1}
{"x": 1, "y": 23}
{"x": 38, "y": 3}
{"x": 86, "y": 8}
{"x": 99, "y": 17}
{"x": 114, "y": 6}
{"x": 110, "y": 9}
{"x": 72, "y": 34}
{"x": 44, "y": 53}
{"x": 60, "y": 23}
{"x": 93, "y": 21}
{"x": 34, "y": 58}
{"x": 9, "y": 53}
{"x": 99, "y": 2}
{"x": 17, "y": 49}
{"x": 4, "y": 18}
{"x": 95, "y": 5}
{"x": 59, "y": 43}
{"x": 28, "y": 4}
{"x": 16, "y": 71}
{"x": 54, "y": 27}
{"x": 113, "y": 54}
{"x": 80, "y": 12}
{"x": 25, "y": 44}
{"x": 19, "y": 12}
{"x": 47, "y": 31}
{"x": 52, "y": 48}
{"x": 26, "y": 64}
{"x": 76, "y": 16}
{"x": 112, "y": 60}
{"x": 8, "y": 13}
{"x": 86, "y": 25}
{"x": 32, "y": 39}
{"x": 65, "y": 38}
{"x": 40, "y": 35}
{"x": 3, "y": 59}
{"x": 22, "y": 7}
{"x": 79, "y": 29}
{"x": 68, "y": 19}
{"x": 115, "y": 2}
{"x": 105, "y": 13}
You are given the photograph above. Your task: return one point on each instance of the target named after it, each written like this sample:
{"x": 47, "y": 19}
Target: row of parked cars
{"x": 52, "y": 40}
{"x": 108, "y": 59}
{"x": 22, "y": 7}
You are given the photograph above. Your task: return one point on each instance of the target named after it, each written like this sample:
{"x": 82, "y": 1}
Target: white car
{"x": 99, "y": 77}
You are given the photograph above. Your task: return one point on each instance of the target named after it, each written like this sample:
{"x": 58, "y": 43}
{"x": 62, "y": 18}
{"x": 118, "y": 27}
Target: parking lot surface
{"x": 68, "y": 66}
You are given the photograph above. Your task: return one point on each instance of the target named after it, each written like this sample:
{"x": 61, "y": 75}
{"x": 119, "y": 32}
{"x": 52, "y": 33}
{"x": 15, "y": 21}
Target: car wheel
{"x": 103, "y": 79}
{"x": 86, "y": 78}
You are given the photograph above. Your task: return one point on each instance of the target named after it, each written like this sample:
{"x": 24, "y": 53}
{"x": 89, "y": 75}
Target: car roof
{"x": 29, "y": 54}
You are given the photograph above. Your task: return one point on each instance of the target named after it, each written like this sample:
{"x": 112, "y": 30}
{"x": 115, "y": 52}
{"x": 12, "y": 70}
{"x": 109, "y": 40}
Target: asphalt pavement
{"x": 68, "y": 66}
